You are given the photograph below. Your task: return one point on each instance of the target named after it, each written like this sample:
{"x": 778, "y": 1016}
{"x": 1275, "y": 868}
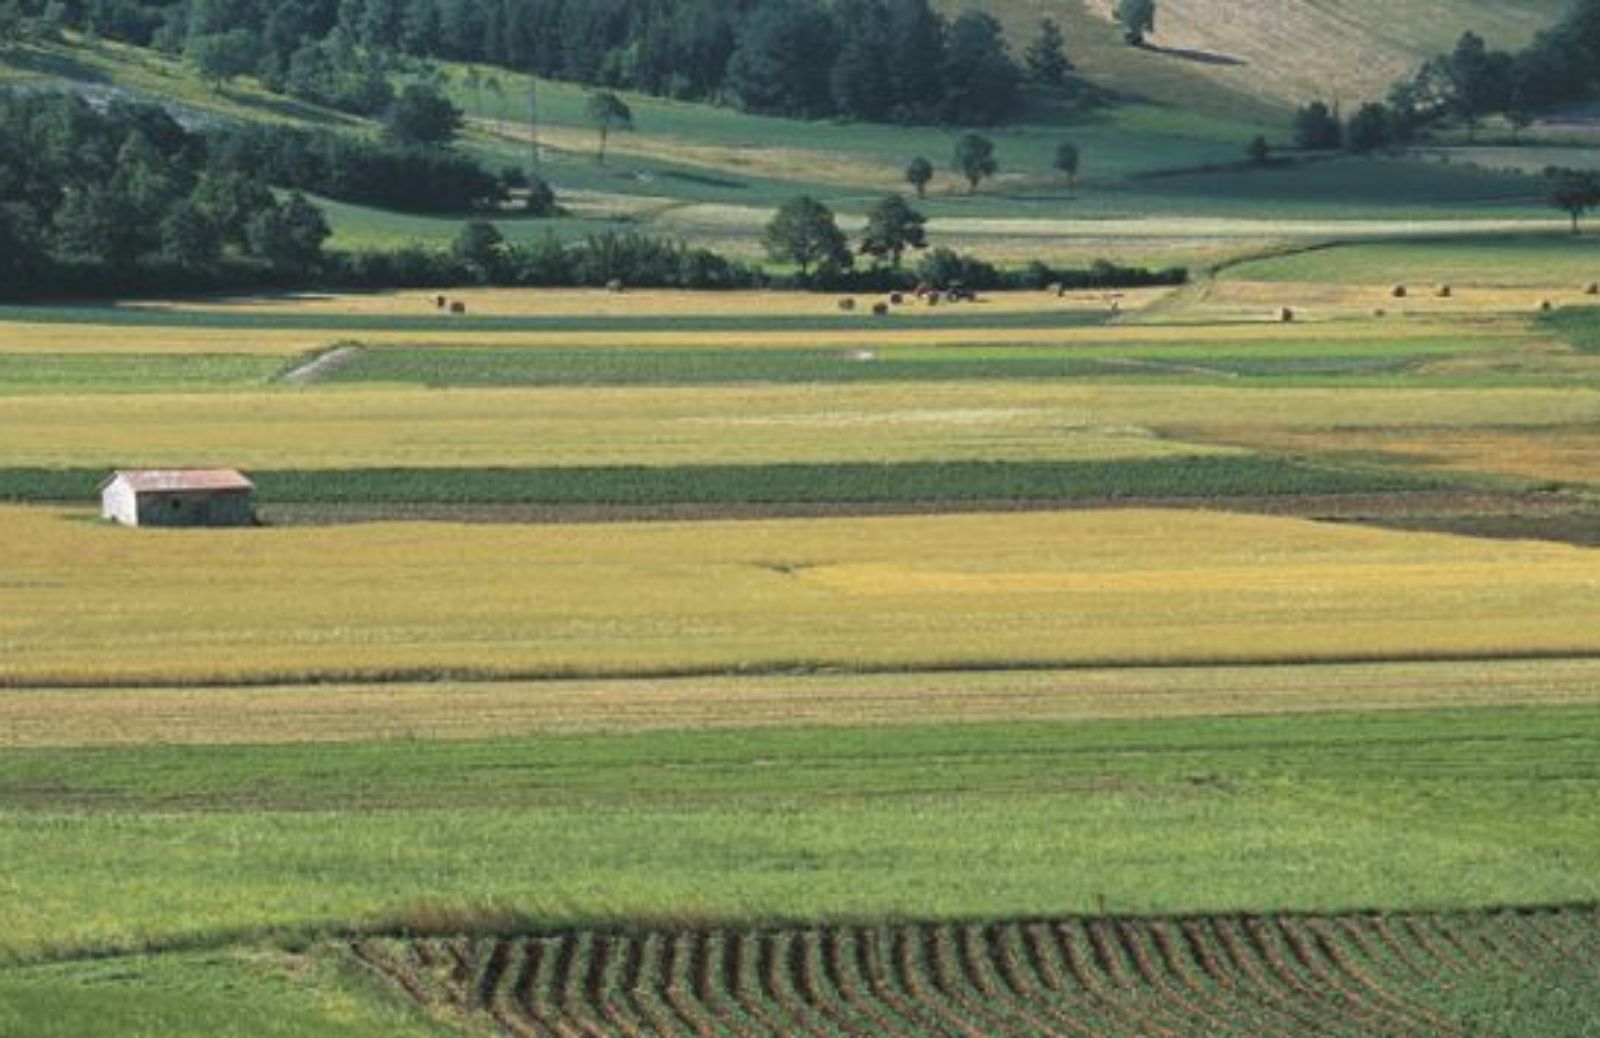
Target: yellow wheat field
{"x": 84, "y": 602}
{"x": 723, "y": 424}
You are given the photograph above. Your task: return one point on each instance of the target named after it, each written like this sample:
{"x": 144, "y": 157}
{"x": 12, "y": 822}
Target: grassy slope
{"x": 1272, "y": 55}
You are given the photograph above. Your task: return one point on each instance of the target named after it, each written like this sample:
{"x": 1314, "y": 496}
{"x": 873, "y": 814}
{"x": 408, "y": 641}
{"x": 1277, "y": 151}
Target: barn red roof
{"x": 146, "y": 481}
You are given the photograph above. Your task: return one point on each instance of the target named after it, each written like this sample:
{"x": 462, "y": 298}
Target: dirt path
{"x": 321, "y": 365}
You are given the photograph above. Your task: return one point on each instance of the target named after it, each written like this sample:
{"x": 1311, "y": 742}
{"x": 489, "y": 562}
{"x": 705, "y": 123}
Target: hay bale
{"x": 933, "y": 299}
{"x": 847, "y": 305}
{"x": 880, "y": 309}
{"x": 440, "y": 302}
{"x": 1444, "y": 291}
{"x": 1285, "y": 315}
{"x": 1546, "y": 305}
{"x": 1056, "y": 289}
{"x": 897, "y": 298}
{"x": 614, "y": 286}
{"x": 863, "y": 356}
{"x": 458, "y": 307}
{"x": 1592, "y": 288}
{"x": 1380, "y": 312}
{"x": 1398, "y": 292}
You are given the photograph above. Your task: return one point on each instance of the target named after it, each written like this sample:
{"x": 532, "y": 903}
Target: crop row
{"x": 847, "y": 483}
{"x": 1367, "y": 975}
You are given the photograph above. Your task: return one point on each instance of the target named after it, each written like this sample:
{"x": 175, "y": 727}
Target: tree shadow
{"x": 1199, "y": 57}
{"x": 59, "y": 66}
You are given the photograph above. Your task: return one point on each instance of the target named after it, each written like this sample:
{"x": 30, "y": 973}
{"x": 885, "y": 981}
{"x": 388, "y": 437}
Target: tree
{"x": 1046, "y": 56}
{"x": 918, "y": 174}
{"x": 1316, "y": 127}
{"x": 1574, "y": 192}
{"x": 980, "y": 79}
{"x": 222, "y": 56}
{"x": 860, "y": 79}
{"x": 481, "y": 247}
{"x": 1137, "y": 18}
{"x": 804, "y": 232}
{"x": 422, "y": 115}
{"x": 784, "y": 59}
{"x": 974, "y": 159}
{"x": 290, "y": 236}
{"x": 1259, "y": 151}
{"x": 607, "y": 112}
{"x": 1368, "y": 129}
{"x": 190, "y": 239}
{"x": 1067, "y": 160}
{"x": 892, "y": 228}
{"x": 1480, "y": 80}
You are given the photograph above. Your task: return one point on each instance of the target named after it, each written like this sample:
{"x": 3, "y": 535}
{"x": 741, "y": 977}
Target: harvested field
{"x": 1359, "y": 976}
{"x": 509, "y": 710}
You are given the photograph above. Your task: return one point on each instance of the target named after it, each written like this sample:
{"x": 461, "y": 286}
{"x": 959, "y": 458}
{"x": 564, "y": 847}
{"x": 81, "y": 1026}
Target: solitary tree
{"x": 918, "y": 174}
{"x": 892, "y": 228}
{"x": 1067, "y": 159}
{"x": 975, "y": 160}
{"x": 1046, "y": 56}
{"x": 422, "y": 115}
{"x": 220, "y": 57}
{"x": 608, "y": 112}
{"x": 1574, "y": 192}
{"x": 804, "y": 232}
{"x": 1137, "y": 18}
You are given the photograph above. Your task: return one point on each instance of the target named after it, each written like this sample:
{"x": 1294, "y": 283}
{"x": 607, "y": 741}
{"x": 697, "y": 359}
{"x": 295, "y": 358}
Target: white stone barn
{"x": 178, "y": 497}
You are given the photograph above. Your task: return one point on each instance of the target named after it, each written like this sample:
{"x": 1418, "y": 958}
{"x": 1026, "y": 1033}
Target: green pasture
{"x": 125, "y": 849}
{"x": 1513, "y": 261}
{"x": 44, "y": 373}
{"x": 1578, "y": 325}
{"x": 1295, "y": 360}
{"x": 243, "y": 993}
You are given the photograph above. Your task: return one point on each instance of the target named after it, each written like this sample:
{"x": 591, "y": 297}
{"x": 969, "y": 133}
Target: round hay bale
{"x": 458, "y": 307}
{"x": 614, "y": 286}
{"x": 1056, "y": 289}
{"x": 1398, "y": 292}
{"x": 880, "y": 309}
{"x": 1546, "y": 305}
{"x": 847, "y": 305}
{"x": 440, "y": 302}
{"x": 1444, "y": 291}
{"x": 933, "y": 299}
{"x": 897, "y": 298}
{"x": 1285, "y": 315}
{"x": 1592, "y": 288}
{"x": 1380, "y": 312}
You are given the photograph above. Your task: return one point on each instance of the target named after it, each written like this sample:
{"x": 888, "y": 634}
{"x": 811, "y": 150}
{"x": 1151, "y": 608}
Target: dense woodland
{"x": 865, "y": 59}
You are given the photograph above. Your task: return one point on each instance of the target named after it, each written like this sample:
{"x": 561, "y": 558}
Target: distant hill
{"x": 1265, "y": 54}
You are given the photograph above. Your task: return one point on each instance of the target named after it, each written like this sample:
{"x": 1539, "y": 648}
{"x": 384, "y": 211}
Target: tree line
{"x": 1469, "y": 84}
{"x": 875, "y": 60}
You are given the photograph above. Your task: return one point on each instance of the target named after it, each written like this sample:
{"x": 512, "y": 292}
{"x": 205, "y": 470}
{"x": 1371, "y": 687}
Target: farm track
{"x": 1373, "y": 976}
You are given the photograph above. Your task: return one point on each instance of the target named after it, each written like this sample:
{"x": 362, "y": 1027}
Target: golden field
{"x": 989, "y": 420}
{"x": 82, "y": 602}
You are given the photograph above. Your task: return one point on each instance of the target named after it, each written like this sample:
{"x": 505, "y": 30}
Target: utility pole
{"x": 533, "y": 125}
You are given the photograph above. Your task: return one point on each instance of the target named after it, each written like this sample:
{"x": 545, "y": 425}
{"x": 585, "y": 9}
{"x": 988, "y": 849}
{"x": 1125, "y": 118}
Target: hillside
{"x": 1271, "y": 54}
